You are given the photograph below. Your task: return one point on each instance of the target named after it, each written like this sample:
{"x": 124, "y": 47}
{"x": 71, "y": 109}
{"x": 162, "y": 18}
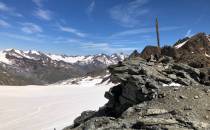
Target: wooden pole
{"x": 157, "y": 32}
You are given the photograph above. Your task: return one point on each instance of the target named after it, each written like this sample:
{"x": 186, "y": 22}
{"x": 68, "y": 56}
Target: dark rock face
{"x": 141, "y": 82}
{"x": 169, "y": 51}
{"x": 134, "y": 54}
{"x": 152, "y": 96}
{"x": 150, "y": 50}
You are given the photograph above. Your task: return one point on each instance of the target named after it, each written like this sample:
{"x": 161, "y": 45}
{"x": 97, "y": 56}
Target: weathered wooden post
{"x": 157, "y": 32}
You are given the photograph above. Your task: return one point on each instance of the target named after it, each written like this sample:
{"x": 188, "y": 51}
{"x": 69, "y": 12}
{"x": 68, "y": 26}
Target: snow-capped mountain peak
{"x": 37, "y": 67}
{"x": 10, "y": 54}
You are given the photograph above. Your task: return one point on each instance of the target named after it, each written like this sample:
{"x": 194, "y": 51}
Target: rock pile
{"x": 152, "y": 96}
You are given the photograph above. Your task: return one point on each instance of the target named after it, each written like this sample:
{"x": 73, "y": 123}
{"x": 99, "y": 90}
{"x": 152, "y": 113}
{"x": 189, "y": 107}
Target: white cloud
{"x": 20, "y": 37}
{"x": 106, "y": 47}
{"x": 38, "y": 2}
{"x": 96, "y": 45}
{"x": 66, "y": 40}
{"x": 91, "y": 7}
{"x": 43, "y": 14}
{"x": 4, "y": 24}
{"x": 4, "y": 7}
{"x": 189, "y": 33}
{"x": 128, "y": 14}
{"x": 143, "y": 31}
{"x": 17, "y": 14}
{"x": 71, "y": 30}
{"x": 9, "y": 10}
{"x": 31, "y": 28}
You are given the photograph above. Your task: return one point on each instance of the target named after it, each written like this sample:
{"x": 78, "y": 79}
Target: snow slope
{"x": 48, "y": 107}
{"x": 181, "y": 44}
{"x": 3, "y": 58}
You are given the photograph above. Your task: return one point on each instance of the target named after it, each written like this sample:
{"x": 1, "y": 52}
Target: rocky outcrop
{"x": 194, "y": 51}
{"x": 159, "y": 95}
{"x": 150, "y": 50}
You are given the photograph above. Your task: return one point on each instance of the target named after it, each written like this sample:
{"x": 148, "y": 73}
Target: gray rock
{"x": 157, "y": 121}
{"x": 156, "y": 111}
{"x": 132, "y": 102}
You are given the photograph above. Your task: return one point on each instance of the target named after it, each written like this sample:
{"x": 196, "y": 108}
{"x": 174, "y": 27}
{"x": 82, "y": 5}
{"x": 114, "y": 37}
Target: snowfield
{"x": 49, "y": 107}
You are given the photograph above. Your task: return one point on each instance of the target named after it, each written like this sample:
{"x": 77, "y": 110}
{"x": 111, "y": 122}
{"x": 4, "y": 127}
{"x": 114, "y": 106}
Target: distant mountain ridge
{"x": 36, "y": 67}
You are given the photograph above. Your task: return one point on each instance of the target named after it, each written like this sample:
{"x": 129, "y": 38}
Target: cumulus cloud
{"x": 128, "y": 14}
{"x": 31, "y": 28}
{"x": 4, "y": 24}
{"x": 43, "y": 14}
{"x": 71, "y": 30}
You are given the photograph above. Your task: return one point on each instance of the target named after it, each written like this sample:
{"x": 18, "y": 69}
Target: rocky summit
{"x": 152, "y": 95}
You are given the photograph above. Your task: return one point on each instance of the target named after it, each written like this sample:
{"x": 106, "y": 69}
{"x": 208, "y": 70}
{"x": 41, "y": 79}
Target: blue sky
{"x": 81, "y": 27}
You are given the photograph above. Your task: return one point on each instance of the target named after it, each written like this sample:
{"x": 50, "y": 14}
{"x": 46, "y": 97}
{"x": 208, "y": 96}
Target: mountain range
{"x": 19, "y": 67}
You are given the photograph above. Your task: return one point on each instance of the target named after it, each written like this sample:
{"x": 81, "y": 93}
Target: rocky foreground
{"x": 161, "y": 95}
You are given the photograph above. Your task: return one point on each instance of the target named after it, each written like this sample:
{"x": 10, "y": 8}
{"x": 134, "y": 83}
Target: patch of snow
{"x": 18, "y": 51}
{"x": 208, "y": 37}
{"x": 3, "y": 58}
{"x": 86, "y": 80}
{"x": 48, "y": 107}
{"x": 35, "y": 52}
{"x": 172, "y": 84}
{"x": 207, "y": 55}
{"x": 181, "y": 44}
{"x": 68, "y": 59}
{"x": 32, "y": 52}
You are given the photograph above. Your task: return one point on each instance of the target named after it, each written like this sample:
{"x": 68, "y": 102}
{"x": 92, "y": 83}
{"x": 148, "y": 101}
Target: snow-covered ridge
{"x": 93, "y": 81}
{"x": 106, "y": 59}
{"x": 208, "y": 36}
{"x": 36, "y": 55}
{"x": 181, "y": 44}
{"x": 3, "y": 58}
